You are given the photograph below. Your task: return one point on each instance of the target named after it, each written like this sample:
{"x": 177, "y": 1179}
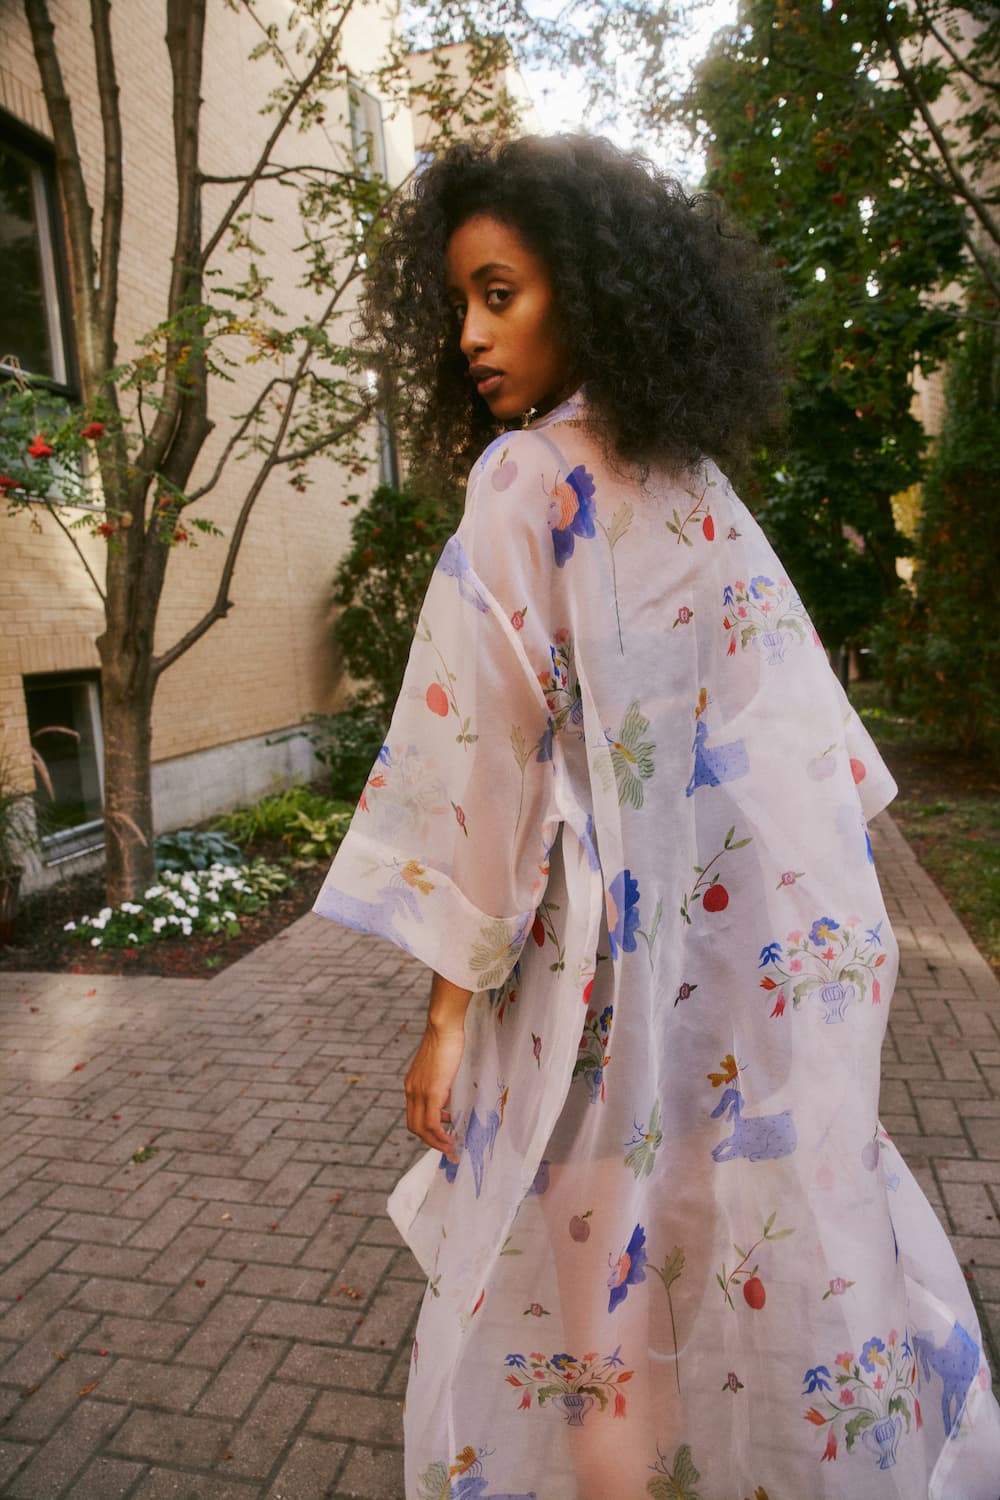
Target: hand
{"x": 428, "y": 1086}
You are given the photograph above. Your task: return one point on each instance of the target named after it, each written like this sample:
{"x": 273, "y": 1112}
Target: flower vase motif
{"x": 836, "y": 997}
{"x": 575, "y": 1406}
{"x": 773, "y": 642}
{"x": 882, "y": 1440}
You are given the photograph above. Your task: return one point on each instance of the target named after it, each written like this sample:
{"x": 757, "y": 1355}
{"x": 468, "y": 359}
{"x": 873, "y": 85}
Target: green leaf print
{"x": 856, "y": 1427}
{"x": 632, "y": 756}
{"x": 434, "y": 1483}
{"x": 491, "y": 956}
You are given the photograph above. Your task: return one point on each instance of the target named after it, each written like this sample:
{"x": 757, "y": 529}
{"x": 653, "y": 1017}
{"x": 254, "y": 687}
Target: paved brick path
{"x": 230, "y": 1319}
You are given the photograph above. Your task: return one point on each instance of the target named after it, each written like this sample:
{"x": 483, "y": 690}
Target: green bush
{"x": 305, "y": 819}
{"x": 347, "y": 744}
{"x": 380, "y": 585}
{"x": 940, "y": 651}
{"x": 190, "y": 850}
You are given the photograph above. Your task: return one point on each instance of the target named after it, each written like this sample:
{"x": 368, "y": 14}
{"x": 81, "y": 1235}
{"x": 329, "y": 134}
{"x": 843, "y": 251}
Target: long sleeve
{"x": 447, "y": 853}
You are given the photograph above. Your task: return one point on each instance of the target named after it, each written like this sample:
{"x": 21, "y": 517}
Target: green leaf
{"x": 856, "y": 1426}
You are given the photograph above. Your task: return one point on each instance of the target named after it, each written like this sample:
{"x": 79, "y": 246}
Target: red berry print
{"x": 708, "y": 529}
{"x": 858, "y": 770}
{"x": 437, "y": 700}
{"x": 754, "y": 1293}
{"x": 716, "y": 898}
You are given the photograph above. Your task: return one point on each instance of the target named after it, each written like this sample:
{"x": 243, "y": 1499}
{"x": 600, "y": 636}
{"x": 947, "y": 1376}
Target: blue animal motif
{"x": 473, "y": 1487}
{"x": 450, "y": 1168}
{"x": 454, "y": 561}
{"x": 720, "y": 763}
{"x": 957, "y": 1363}
{"x": 629, "y": 1268}
{"x": 480, "y": 1137}
{"x": 757, "y": 1137}
{"x": 375, "y": 916}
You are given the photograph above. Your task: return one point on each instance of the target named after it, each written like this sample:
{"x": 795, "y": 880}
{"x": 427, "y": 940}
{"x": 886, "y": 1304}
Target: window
{"x": 32, "y": 309}
{"x": 64, "y": 723}
{"x": 367, "y": 134}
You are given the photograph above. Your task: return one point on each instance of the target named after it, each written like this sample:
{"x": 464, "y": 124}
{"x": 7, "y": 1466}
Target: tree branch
{"x": 234, "y": 439}
{"x": 222, "y": 604}
{"x": 988, "y": 85}
{"x": 112, "y": 205}
{"x": 961, "y": 186}
{"x": 69, "y": 170}
{"x": 300, "y": 91}
{"x": 986, "y": 266}
{"x": 53, "y": 512}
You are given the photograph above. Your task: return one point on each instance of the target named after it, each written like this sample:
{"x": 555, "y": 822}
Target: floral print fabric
{"x": 624, "y": 799}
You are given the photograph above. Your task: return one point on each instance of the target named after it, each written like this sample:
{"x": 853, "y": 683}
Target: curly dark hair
{"x": 665, "y": 307}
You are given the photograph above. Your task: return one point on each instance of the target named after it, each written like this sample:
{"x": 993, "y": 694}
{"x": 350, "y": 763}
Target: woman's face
{"x": 504, "y": 299}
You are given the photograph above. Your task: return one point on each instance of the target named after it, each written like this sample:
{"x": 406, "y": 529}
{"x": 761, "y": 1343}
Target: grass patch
{"x": 959, "y": 844}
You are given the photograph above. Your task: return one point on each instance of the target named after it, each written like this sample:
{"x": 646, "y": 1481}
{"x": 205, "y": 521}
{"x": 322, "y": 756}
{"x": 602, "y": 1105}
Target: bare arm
{"x": 432, "y": 1071}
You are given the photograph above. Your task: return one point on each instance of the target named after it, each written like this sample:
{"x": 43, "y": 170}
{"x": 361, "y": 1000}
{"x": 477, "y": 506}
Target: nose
{"x": 475, "y": 335}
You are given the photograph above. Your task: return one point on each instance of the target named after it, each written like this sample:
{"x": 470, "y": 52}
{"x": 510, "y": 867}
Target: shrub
{"x": 347, "y": 743}
{"x": 940, "y": 650}
{"x": 190, "y": 850}
{"x": 209, "y": 901}
{"x": 274, "y": 816}
{"x": 380, "y": 586}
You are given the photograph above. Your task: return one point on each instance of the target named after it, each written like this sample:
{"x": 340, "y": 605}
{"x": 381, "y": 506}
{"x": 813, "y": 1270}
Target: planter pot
{"x": 10, "y": 885}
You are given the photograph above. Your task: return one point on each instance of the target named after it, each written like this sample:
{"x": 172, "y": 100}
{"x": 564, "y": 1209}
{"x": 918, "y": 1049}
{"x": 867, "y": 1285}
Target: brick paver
{"x": 231, "y": 1318}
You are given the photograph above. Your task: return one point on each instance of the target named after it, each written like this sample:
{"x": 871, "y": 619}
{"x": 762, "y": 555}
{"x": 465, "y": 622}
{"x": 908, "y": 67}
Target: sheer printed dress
{"x": 623, "y": 798}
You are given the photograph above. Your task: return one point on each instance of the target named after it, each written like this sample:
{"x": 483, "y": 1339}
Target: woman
{"x": 621, "y": 814}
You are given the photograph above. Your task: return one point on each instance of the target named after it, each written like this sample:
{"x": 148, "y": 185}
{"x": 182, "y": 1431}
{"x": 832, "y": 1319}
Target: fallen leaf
{"x": 29, "y": 1390}
{"x": 79, "y": 1067}
{"x": 58, "y": 1354}
{"x": 88, "y": 1388}
{"x": 89, "y": 994}
{"x": 200, "y": 1282}
{"x": 226, "y": 1216}
{"x": 145, "y": 1153}
{"x": 355, "y": 1078}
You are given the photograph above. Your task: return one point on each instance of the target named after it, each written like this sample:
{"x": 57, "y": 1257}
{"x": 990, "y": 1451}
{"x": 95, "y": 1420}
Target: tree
{"x": 145, "y": 416}
{"x": 815, "y": 131}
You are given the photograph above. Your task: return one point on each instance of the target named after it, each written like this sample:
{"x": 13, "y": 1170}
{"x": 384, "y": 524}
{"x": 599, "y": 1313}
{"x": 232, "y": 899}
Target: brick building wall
{"x": 271, "y": 661}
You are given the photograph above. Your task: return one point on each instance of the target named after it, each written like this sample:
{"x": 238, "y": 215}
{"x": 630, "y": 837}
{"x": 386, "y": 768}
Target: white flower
{"x": 230, "y": 916}
{"x": 71, "y": 926}
{"x": 105, "y": 912}
{"x": 95, "y": 942}
{"x": 212, "y": 896}
{"x": 159, "y": 923}
{"x": 132, "y": 938}
{"x": 192, "y": 911}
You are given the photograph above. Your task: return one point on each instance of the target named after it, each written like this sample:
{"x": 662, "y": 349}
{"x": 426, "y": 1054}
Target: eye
{"x": 458, "y": 308}
{"x": 497, "y": 296}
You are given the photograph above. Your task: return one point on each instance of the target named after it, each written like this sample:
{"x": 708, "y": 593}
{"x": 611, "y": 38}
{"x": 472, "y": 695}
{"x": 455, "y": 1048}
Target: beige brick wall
{"x": 271, "y": 660}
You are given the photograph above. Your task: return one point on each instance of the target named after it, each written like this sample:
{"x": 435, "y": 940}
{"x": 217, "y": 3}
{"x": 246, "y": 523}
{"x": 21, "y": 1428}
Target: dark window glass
{"x": 29, "y": 307}
{"x": 72, "y": 760}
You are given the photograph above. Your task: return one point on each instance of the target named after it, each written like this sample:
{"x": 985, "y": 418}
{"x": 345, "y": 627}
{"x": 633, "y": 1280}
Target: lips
{"x": 486, "y": 378}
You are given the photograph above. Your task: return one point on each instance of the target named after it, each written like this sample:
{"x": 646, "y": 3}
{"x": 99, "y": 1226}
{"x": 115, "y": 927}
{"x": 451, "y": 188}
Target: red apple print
{"x": 579, "y": 1229}
{"x": 437, "y": 700}
{"x": 708, "y": 529}
{"x": 716, "y": 898}
{"x": 538, "y": 931}
{"x": 754, "y": 1293}
{"x": 858, "y": 770}
{"x": 505, "y": 474}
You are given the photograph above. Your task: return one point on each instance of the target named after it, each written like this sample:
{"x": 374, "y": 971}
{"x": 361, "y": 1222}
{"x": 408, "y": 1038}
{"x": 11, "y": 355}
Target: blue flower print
{"x": 816, "y": 1380}
{"x": 571, "y": 512}
{"x": 871, "y": 1353}
{"x": 562, "y": 1362}
{"x": 760, "y": 586}
{"x": 873, "y": 934}
{"x": 604, "y": 1020}
{"x": 587, "y": 840}
{"x": 822, "y": 931}
{"x": 450, "y": 1168}
{"x": 383, "y": 756}
{"x": 769, "y": 954}
{"x": 727, "y": 594}
{"x": 629, "y": 1268}
{"x": 623, "y": 913}
{"x": 516, "y": 1360}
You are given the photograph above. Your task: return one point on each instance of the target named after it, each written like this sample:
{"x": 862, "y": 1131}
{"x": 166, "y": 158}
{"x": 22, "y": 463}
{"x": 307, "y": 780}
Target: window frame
{"x": 40, "y": 152}
{"x": 81, "y": 838}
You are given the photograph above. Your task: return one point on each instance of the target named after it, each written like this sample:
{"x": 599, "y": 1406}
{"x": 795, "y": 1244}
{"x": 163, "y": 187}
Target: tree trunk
{"x": 127, "y": 706}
